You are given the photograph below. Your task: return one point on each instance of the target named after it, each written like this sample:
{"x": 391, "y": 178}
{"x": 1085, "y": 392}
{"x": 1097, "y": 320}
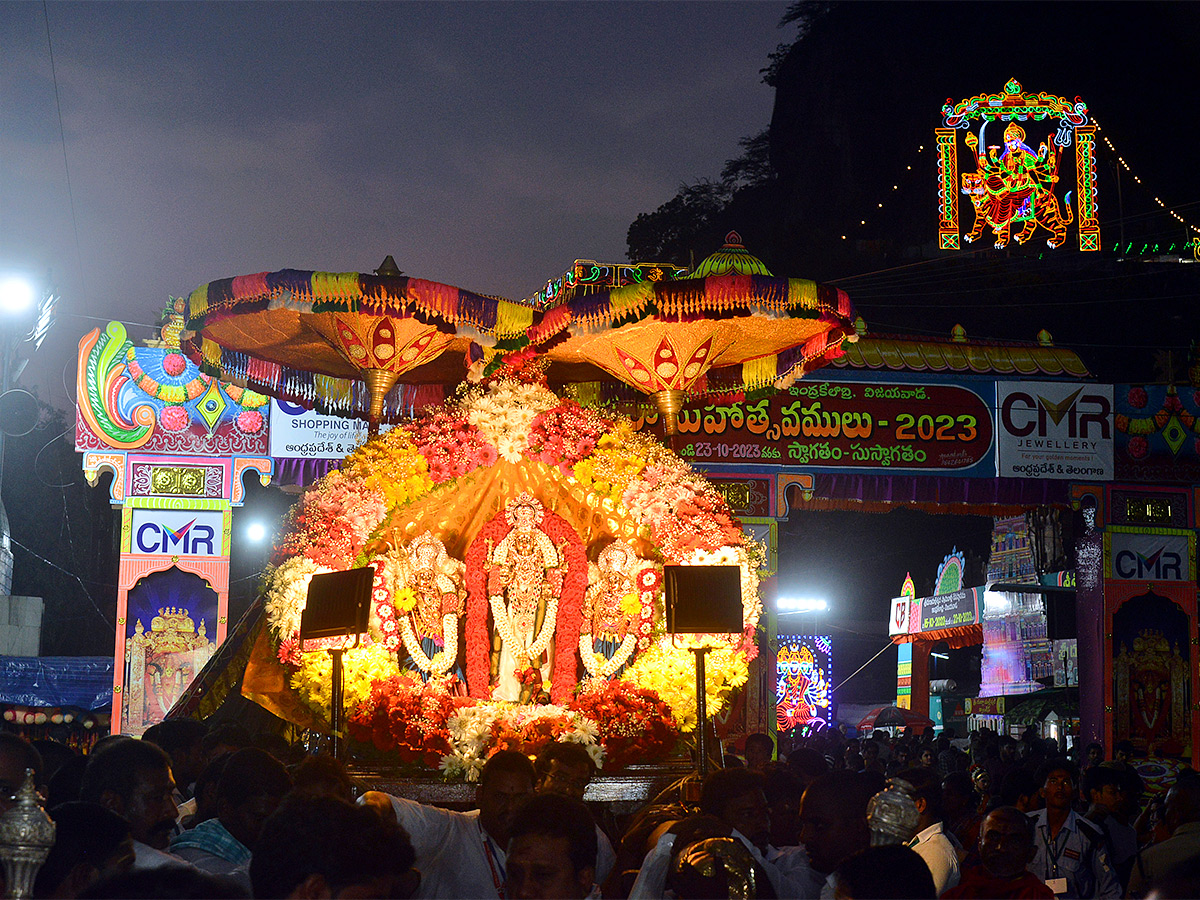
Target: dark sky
{"x": 486, "y": 145}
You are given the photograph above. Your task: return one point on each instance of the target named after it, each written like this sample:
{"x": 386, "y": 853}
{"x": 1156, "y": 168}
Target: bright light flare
{"x": 256, "y": 532}
{"x": 802, "y": 604}
{"x": 16, "y": 295}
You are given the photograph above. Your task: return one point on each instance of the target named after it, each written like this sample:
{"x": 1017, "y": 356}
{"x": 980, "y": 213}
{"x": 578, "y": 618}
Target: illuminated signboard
{"x": 176, "y": 532}
{"x": 804, "y": 671}
{"x": 848, "y": 425}
{"x": 1025, "y": 161}
{"x": 951, "y": 610}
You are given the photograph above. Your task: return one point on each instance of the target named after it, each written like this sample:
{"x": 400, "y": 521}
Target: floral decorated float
{"x": 518, "y": 540}
{"x": 517, "y": 536}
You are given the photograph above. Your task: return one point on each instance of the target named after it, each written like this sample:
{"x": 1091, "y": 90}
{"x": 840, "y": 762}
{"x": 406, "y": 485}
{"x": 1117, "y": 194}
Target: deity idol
{"x": 608, "y": 637}
{"x": 430, "y": 628}
{"x": 524, "y": 581}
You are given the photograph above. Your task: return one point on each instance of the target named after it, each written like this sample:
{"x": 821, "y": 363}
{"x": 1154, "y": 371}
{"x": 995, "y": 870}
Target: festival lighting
{"x": 16, "y": 294}
{"x": 802, "y": 605}
{"x": 256, "y": 532}
{"x": 1125, "y": 165}
{"x": 1011, "y": 178}
{"x": 804, "y": 669}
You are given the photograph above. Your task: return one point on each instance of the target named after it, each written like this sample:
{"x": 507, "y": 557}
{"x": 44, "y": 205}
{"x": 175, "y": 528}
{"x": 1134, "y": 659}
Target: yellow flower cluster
{"x": 620, "y": 456}
{"x": 404, "y": 599}
{"x": 670, "y": 672}
{"x": 391, "y": 465}
{"x": 362, "y": 666}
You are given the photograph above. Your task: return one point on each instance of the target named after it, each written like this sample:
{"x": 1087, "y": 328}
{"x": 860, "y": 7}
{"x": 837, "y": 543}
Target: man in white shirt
{"x": 931, "y": 842}
{"x": 463, "y": 854}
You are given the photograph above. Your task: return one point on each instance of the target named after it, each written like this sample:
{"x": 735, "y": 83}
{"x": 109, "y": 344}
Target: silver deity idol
{"x": 892, "y": 815}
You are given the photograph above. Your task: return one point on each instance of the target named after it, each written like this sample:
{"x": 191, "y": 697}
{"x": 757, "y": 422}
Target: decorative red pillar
{"x": 920, "y": 677}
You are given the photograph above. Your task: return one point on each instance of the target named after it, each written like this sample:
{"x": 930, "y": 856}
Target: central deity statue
{"x": 524, "y": 580}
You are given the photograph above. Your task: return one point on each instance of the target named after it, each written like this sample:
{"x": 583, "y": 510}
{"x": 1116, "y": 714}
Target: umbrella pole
{"x": 379, "y": 382}
{"x": 701, "y": 713}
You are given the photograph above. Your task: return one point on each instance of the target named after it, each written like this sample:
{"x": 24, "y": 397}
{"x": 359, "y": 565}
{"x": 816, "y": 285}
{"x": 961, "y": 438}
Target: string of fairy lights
{"x": 895, "y": 187}
{"x": 1124, "y": 163}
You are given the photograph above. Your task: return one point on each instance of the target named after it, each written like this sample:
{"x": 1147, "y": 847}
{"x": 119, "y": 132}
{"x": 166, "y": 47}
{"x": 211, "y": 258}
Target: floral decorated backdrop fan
{"x": 505, "y": 466}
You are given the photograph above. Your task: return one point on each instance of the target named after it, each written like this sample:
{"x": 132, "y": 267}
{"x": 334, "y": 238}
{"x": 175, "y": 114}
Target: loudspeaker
{"x": 339, "y": 604}
{"x": 703, "y": 599}
{"x": 1060, "y": 616}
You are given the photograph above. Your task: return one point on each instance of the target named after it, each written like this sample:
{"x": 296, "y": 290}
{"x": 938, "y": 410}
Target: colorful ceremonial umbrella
{"x": 340, "y": 341}
{"x": 894, "y": 716}
{"x": 731, "y": 325}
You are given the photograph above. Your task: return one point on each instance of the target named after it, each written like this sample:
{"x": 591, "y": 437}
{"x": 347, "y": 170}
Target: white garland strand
{"x": 442, "y": 662}
{"x": 588, "y": 655}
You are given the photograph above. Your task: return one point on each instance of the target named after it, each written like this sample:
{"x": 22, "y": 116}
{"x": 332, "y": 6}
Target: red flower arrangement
{"x": 566, "y": 434}
{"x": 174, "y": 418}
{"x": 249, "y": 421}
{"x": 407, "y": 716}
{"x": 635, "y": 725}
{"x": 174, "y": 364}
{"x": 451, "y": 444}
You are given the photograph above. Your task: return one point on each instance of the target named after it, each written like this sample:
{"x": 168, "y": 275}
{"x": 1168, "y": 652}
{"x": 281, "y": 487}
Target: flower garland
{"x": 478, "y": 731}
{"x": 599, "y": 666}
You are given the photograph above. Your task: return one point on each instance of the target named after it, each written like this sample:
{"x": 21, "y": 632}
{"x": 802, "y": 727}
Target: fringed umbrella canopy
{"x": 738, "y": 328}
{"x": 340, "y": 341}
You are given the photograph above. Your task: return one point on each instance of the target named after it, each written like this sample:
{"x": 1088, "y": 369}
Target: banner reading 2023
{"x": 848, "y": 425}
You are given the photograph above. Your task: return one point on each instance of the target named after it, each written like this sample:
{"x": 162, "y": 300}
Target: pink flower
{"x": 486, "y": 455}
{"x": 1138, "y": 447}
{"x": 249, "y": 421}
{"x": 174, "y": 418}
{"x": 1138, "y": 397}
{"x": 174, "y": 364}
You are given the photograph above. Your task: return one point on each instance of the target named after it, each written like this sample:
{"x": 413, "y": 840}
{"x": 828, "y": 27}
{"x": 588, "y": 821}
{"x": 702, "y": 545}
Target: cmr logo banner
{"x": 1052, "y": 430}
{"x": 1149, "y": 557}
{"x": 177, "y": 532}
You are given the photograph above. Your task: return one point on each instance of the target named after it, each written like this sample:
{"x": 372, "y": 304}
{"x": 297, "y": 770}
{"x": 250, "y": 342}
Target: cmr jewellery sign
{"x": 1054, "y": 430}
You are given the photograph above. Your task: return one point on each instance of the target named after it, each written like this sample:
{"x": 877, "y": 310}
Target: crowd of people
{"x": 190, "y": 811}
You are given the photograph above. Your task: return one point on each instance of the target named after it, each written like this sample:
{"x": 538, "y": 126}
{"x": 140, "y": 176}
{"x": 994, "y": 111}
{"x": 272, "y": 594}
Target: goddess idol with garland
{"x": 430, "y": 628}
{"x": 608, "y": 635}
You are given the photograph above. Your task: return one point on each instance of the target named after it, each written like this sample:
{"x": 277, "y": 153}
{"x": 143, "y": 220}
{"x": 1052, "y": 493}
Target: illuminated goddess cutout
{"x": 525, "y": 577}
{"x": 1014, "y": 188}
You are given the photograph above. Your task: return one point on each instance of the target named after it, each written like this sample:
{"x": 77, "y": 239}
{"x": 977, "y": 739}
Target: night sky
{"x": 485, "y": 145}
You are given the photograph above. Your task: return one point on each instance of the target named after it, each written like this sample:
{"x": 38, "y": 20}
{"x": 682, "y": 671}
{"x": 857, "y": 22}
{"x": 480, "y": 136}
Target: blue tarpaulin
{"x": 82, "y": 681}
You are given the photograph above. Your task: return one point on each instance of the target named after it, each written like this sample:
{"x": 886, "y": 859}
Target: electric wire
{"x": 62, "y": 136}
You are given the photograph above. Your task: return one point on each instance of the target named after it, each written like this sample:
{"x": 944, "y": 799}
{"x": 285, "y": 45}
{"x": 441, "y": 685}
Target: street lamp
{"x": 18, "y": 299}
{"x": 787, "y": 605}
{"x": 16, "y": 295}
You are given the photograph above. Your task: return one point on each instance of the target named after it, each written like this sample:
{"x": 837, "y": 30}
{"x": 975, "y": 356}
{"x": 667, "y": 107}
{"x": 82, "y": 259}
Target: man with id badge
{"x": 1070, "y": 856}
